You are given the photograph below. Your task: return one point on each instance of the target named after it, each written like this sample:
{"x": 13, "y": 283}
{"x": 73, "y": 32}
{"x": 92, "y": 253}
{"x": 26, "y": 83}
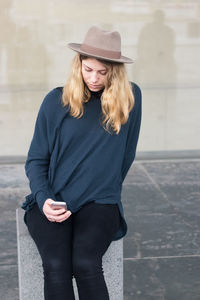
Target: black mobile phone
{"x": 58, "y": 205}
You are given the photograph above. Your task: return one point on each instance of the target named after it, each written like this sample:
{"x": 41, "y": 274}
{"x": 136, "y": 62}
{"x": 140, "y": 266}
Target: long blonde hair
{"x": 117, "y": 99}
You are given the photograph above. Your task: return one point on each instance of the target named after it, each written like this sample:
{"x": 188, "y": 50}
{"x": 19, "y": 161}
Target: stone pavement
{"x": 161, "y": 199}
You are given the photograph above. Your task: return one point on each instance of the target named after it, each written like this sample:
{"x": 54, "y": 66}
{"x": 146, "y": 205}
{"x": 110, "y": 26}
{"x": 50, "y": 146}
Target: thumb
{"x": 49, "y": 201}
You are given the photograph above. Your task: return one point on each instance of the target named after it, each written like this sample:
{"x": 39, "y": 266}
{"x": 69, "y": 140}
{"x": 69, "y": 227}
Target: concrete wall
{"x": 163, "y": 37}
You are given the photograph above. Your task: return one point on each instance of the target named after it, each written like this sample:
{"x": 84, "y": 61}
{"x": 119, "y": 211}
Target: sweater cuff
{"x": 41, "y": 197}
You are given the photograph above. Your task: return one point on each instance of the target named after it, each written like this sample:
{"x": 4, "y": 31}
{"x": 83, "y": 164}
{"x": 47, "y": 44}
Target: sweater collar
{"x": 97, "y": 94}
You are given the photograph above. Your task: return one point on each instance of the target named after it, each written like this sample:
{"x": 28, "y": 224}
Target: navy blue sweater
{"x": 77, "y": 160}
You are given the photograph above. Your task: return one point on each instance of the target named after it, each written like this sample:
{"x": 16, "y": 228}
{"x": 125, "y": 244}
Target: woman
{"x": 83, "y": 145}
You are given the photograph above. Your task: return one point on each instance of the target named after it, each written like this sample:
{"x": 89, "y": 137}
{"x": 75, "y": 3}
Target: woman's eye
{"x": 87, "y": 70}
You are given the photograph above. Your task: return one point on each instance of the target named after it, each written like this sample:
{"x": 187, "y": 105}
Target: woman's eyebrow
{"x": 91, "y": 68}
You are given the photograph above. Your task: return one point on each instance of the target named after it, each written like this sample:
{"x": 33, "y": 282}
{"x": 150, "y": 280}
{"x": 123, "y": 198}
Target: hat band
{"x": 100, "y": 52}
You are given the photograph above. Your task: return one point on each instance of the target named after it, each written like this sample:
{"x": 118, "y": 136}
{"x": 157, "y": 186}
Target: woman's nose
{"x": 94, "y": 77}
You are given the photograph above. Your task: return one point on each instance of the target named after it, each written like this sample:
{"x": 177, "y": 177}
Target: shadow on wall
{"x": 155, "y": 66}
{"x": 24, "y": 58}
{"x": 155, "y": 70}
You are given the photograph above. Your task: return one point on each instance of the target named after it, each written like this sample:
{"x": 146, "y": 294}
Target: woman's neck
{"x": 97, "y": 94}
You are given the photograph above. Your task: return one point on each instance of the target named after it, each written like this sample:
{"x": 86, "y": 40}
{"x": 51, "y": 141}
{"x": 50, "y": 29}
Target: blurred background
{"x": 162, "y": 37}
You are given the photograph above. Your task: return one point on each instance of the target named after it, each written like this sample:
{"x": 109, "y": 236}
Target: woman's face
{"x": 94, "y": 74}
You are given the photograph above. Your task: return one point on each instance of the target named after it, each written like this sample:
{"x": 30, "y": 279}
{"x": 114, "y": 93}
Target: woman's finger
{"x": 56, "y": 212}
{"x": 59, "y": 218}
{"x": 51, "y": 211}
{"x": 63, "y": 217}
{"x": 50, "y": 218}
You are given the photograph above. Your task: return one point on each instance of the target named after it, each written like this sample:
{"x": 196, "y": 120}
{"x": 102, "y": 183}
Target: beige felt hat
{"x": 102, "y": 44}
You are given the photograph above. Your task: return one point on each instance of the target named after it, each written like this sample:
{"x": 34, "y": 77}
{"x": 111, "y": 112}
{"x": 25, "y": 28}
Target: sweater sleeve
{"x": 133, "y": 133}
{"x": 37, "y": 162}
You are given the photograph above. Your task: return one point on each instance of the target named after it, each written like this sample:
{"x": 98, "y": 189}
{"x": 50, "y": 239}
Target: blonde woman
{"x": 83, "y": 145}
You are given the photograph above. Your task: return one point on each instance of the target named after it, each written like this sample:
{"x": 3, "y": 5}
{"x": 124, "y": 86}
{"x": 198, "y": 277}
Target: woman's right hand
{"x": 55, "y": 215}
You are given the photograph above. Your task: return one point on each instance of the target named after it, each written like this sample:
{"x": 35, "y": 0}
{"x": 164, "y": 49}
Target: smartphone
{"x": 58, "y": 205}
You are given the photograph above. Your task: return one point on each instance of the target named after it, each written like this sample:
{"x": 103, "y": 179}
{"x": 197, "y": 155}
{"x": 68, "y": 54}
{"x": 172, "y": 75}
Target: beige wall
{"x": 163, "y": 37}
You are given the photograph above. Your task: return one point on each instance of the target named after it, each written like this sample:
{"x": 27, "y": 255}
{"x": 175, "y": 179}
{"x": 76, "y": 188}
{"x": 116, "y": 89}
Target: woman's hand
{"x": 55, "y": 215}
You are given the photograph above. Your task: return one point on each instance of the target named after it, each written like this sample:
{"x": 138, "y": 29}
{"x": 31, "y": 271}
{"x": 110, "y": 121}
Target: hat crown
{"x": 101, "y": 44}
{"x": 102, "y": 39}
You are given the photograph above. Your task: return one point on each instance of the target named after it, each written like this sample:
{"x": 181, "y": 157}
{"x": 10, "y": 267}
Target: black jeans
{"x": 74, "y": 248}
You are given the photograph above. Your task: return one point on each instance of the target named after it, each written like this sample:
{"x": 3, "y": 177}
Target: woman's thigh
{"x": 94, "y": 227}
{"x": 53, "y": 240}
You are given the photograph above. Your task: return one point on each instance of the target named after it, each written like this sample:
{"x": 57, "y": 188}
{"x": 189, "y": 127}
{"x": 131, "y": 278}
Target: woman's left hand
{"x": 55, "y": 215}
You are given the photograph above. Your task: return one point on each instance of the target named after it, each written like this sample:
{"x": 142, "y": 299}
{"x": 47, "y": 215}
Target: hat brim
{"x": 77, "y": 47}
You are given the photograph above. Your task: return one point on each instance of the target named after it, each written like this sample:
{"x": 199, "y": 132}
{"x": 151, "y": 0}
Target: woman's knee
{"x": 52, "y": 264}
{"x": 55, "y": 271}
{"x": 86, "y": 266}
{"x": 56, "y": 264}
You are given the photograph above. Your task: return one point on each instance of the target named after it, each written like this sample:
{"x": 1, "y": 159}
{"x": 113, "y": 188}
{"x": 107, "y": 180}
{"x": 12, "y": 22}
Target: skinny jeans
{"x": 74, "y": 248}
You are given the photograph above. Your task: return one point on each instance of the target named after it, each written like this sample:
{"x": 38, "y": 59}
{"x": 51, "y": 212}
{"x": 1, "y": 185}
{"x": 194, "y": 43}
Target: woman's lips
{"x": 94, "y": 86}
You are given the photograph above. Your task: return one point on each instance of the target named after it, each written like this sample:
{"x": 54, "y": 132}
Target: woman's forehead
{"x": 93, "y": 63}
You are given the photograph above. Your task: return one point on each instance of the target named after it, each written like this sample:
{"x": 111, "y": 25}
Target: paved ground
{"x": 162, "y": 247}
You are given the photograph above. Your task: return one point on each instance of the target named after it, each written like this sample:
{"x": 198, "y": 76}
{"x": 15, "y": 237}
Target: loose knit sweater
{"x": 77, "y": 160}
